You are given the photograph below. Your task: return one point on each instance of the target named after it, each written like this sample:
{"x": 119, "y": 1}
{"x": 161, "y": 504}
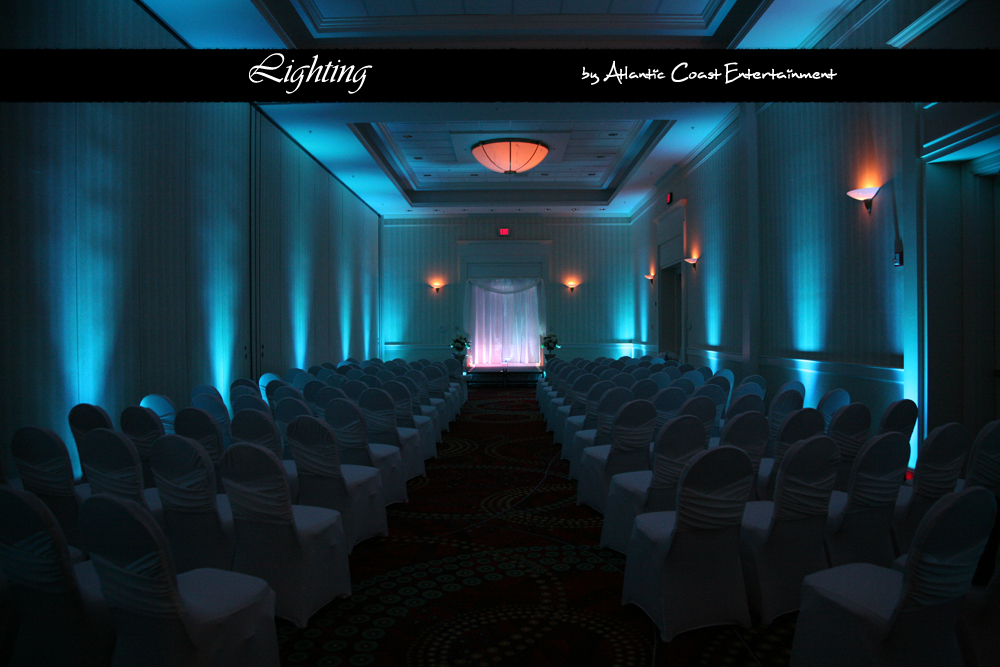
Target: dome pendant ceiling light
{"x": 509, "y": 156}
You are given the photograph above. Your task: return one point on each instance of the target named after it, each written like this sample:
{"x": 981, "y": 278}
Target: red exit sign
{"x": 503, "y": 231}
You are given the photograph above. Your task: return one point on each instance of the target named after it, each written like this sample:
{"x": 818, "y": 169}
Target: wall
{"x": 597, "y": 318}
{"x": 147, "y": 248}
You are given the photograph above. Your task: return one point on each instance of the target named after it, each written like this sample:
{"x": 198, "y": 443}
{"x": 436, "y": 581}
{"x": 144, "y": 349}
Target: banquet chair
{"x": 285, "y": 410}
{"x": 631, "y": 433}
{"x": 197, "y": 519}
{"x": 451, "y": 385}
{"x": 60, "y": 614}
{"x": 979, "y": 619}
{"x": 639, "y": 372}
{"x": 112, "y": 466}
{"x": 745, "y": 389}
{"x": 757, "y": 380}
{"x": 633, "y": 493}
{"x": 575, "y": 406}
{"x": 310, "y": 392}
{"x": 701, "y": 407}
{"x": 899, "y": 416}
{"x": 798, "y": 425}
{"x": 258, "y": 428}
{"x": 832, "y": 401}
{"x": 745, "y": 403}
{"x": 662, "y": 380}
{"x": 898, "y": 618}
{"x": 201, "y": 618}
{"x": 682, "y": 568}
{"x": 203, "y": 429}
{"x": 797, "y": 386}
{"x": 607, "y": 408}
{"x": 781, "y": 541}
{"x": 327, "y": 394}
{"x": 718, "y": 396}
{"x": 747, "y": 431}
{"x": 562, "y": 396}
{"x": 143, "y": 427}
{"x": 439, "y": 387}
{"x": 859, "y": 522}
{"x": 672, "y": 371}
{"x": 697, "y": 378}
{"x": 782, "y": 404}
{"x": 300, "y": 551}
{"x": 645, "y": 389}
{"x": 287, "y": 391}
{"x": 431, "y": 407}
{"x": 354, "y": 491}
{"x": 370, "y": 381}
{"x": 46, "y": 471}
{"x": 207, "y": 389}
{"x": 585, "y": 421}
{"x": 379, "y": 412}
{"x": 939, "y": 464}
{"x": 250, "y": 402}
{"x": 983, "y": 469}
{"x": 685, "y": 384}
{"x": 220, "y": 413}
{"x": 686, "y": 368}
{"x": 404, "y": 401}
{"x": 85, "y": 417}
{"x": 624, "y": 380}
{"x": 164, "y": 409}
{"x": 422, "y": 411}
{"x": 668, "y": 403}
{"x": 706, "y": 372}
{"x": 348, "y": 424}
{"x": 242, "y": 387}
{"x": 849, "y": 427}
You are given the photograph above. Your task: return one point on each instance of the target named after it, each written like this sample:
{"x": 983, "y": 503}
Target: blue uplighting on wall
{"x": 300, "y": 279}
{"x": 219, "y": 245}
{"x": 806, "y": 372}
{"x": 807, "y": 294}
{"x": 62, "y": 298}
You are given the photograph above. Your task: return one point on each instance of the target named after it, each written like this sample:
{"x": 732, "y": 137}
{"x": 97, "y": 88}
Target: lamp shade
{"x": 862, "y": 194}
{"x": 509, "y": 156}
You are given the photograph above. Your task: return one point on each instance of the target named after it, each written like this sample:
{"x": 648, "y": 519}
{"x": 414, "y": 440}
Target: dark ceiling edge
{"x": 163, "y": 24}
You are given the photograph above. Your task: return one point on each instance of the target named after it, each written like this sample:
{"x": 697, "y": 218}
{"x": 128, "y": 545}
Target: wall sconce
{"x": 571, "y": 285}
{"x": 649, "y": 277}
{"x": 693, "y": 261}
{"x": 437, "y": 285}
{"x": 865, "y": 195}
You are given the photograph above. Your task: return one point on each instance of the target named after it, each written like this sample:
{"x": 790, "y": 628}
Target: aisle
{"x": 493, "y": 563}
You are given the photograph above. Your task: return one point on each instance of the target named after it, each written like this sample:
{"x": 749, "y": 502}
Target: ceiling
{"x": 414, "y": 159}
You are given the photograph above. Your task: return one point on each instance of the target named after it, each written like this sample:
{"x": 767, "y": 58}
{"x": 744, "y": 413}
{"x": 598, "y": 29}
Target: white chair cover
{"x": 286, "y": 409}
{"x": 404, "y": 402}
{"x": 300, "y": 551}
{"x": 718, "y": 396}
{"x": 258, "y": 428}
{"x": 587, "y": 420}
{"x": 204, "y": 618}
{"x": 238, "y": 390}
{"x": 220, "y": 413}
{"x": 782, "y": 404}
{"x": 745, "y": 403}
{"x": 703, "y": 408}
{"x": 61, "y": 615}
{"x": 633, "y": 493}
{"x": 631, "y": 432}
{"x": 250, "y": 402}
{"x": 747, "y": 431}
{"x": 111, "y": 464}
{"x": 706, "y": 372}
{"x": 198, "y": 520}
{"x": 43, "y": 462}
{"x": 421, "y": 413}
{"x": 143, "y": 427}
{"x": 164, "y": 409}
{"x": 781, "y": 542}
{"x": 757, "y": 380}
{"x": 348, "y": 424}
{"x": 207, "y": 389}
{"x": 980, "y": 616}
{"x": 354, "y": 491}
{"x": 833, "y": 400}
{"x": 939, "y": 464}
{"x": 380, "y": 423}
{"x": 899, "y": 416}
{"x": 745, "y": 389}
{"x": 438, "y": 387}
{"x": 798, "y": 425}
{"x": 849, "y": 428}
{"x": 610, "y": 402}
{"x": 862, "y": 614}
{"x": 645, "y": 389}
{"x": 577, "y": 404}
{"x": 984, "y": 459}
{"x": 683, "y": 568}
{"x": 431, "y": 407}
{"x": 696, "y": 378}
{"x": 668, "y": 404}
{"x": 858, "y": 524}
{"x": 85, "y": 417}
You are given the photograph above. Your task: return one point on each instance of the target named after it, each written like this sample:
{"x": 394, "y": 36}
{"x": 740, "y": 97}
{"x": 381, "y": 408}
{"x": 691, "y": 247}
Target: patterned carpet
{"x": 493, "y": 563}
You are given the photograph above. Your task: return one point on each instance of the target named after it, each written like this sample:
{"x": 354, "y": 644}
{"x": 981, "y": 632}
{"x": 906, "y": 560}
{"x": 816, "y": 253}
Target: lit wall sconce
{"x": 571, "y": 285}
{"x": 437, "y": 285}
{"x": 865, "y": 195}
{"x": 693, "y": 261}
{"x": 649, "y": 277}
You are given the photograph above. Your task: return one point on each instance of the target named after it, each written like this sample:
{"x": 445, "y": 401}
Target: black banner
{"x": 515, "y": 75}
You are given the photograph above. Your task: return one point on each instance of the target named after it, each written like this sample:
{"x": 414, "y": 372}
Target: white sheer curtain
{"x": 505, "y": 318}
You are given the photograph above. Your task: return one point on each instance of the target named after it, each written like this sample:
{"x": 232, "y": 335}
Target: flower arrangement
{"x": 460, "y": 342}
{"x": 550, "y": 342}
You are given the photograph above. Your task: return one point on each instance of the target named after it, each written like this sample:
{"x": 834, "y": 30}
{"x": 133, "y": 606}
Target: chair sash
{"x": 801, "y": 499}
{"x": 124, "y": 482}
{"x": 633, "y": 437}
{"x": 314, "y": 460}
{"x": 351, "y": 435}
{"x": 50, "y": 478}
{"x": 849, "y": 443}
{"x": 985, "y": 472}
{"x": 212, "y": 446}
{"x": 937, "y": 580}
{"x": 663, "y": 416}
{"x": 380, "y": 421}
{"x": 265, "y": 502}
{"x": 605, "y": 422}
{"x": 33, "y": 562}
{"x": 187, "y": 493}
{"x": 934, "y": 481}
{"x": 875, "y": 490}
{"x": 667, "y": 471}
{"x": 142, "y": 587}
{"x": 709, "y": 511}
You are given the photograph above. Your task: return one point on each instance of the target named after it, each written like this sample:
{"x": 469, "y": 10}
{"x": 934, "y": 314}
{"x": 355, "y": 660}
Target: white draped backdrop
{"x": 505, "y": 318}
